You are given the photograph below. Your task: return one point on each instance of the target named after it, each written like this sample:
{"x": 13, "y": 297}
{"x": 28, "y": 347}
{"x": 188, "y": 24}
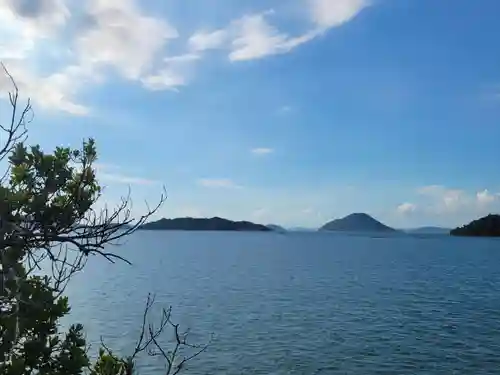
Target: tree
{"x": 48, "y": 216}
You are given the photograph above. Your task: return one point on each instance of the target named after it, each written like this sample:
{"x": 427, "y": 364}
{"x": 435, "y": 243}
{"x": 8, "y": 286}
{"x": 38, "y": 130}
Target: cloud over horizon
{"x": 439, "y": 200}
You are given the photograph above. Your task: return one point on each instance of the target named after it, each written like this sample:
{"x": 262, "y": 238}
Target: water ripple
{"x": 306, "y": 303}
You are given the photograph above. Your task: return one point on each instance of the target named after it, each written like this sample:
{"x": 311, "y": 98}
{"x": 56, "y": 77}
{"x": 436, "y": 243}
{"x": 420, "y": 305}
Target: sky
{"x": 292, "y": 112}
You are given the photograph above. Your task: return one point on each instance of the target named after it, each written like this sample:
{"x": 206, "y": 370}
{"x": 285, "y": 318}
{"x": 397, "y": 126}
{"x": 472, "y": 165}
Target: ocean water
{"x": 304, "y": 303}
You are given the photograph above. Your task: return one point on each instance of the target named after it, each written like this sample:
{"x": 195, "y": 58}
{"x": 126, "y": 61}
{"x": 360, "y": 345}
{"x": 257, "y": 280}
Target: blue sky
{"x": 292, "y": 112}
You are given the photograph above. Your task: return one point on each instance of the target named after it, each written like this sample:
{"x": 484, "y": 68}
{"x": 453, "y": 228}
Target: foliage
{"x": 488, "y": 226}
{"x": 48, "y": 215}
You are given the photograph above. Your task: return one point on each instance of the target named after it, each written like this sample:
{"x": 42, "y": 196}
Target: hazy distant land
{"x": 428, "y": 230}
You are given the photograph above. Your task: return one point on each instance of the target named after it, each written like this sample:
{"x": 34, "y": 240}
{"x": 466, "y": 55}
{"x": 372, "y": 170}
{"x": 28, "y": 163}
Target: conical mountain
{"x": 357, "y": 222}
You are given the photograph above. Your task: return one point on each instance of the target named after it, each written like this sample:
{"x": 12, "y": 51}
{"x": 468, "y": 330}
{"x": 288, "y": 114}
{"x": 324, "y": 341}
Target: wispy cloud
{"x": 223, "y": 183}
{"x": 114, "y": 174}
{"x": 173, "y": 73}
{"x": 256, "y": 38}
{"x": 124, "y": 179}
{"x": 80, "y": 45}
{"x": 205, "y": 40}
{"x": 262, "y": 151}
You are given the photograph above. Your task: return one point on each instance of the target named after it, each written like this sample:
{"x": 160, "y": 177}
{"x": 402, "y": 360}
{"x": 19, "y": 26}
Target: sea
{"x": 301, "y": 303}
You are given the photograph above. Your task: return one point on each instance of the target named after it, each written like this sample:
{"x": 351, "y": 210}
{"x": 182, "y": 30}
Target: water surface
{"x": 305, "y": 303}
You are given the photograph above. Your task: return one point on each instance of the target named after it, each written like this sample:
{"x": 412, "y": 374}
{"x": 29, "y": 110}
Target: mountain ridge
{"x": 203, "y": 224}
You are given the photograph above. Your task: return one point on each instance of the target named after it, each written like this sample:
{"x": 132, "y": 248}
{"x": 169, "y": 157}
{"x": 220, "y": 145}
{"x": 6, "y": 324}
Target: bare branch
{"x": 16, "y": 130}
{"x": 148, "y": 342}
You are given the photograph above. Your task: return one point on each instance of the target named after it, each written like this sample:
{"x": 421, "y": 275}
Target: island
{"x": 488, "y": 226}
{"x": 357, "y": 222}
{"x": 203, "y": 224}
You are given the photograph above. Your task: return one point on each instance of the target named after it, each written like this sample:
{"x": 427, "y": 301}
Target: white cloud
{"x": 33, "y": 19}
{"x": 201, "y": 40}
{"x": 262, "y": 151}
{"x": 164, "y": 79}
{"x": 113, "y": 173}
{"x": 24, "y": 25}
{"x": 334, "y": 13}
{"x": 86, "y": 42}
{"x": 406, "y": 208}
{"x": 173, "y": 73}
{"x": 256, "y": 38}
{"x": 453, "y": 199}
{"x": 101, "y": 38}
{"x": 53, "y": 92}
{"x": 122, "y": 37}
{"x": 485, "y": 198}
{"x": 445, "y": 201}
{"x": 224, "y": 183}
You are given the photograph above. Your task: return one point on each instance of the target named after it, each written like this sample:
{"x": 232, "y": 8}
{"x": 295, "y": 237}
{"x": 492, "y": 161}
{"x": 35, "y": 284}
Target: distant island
{"x": 357, "y": 222}
{"x": 276, "y": 228}
{"x": 203, "y": 224}
{"x": 301, "y": 229}
{"x": 488, "y": 226}
{"x": 428, "y": 230}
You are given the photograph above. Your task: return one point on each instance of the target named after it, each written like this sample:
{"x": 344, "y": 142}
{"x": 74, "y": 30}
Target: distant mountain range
{"x": 357, "y": 222}
{"x": 196, "y": 224}
{"x": 428, "y": 230}
{"x": 301, "y": 229}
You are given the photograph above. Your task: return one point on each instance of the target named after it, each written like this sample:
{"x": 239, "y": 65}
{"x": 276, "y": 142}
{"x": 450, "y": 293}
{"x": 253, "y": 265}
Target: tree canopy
{"x": 48, "y": 215}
